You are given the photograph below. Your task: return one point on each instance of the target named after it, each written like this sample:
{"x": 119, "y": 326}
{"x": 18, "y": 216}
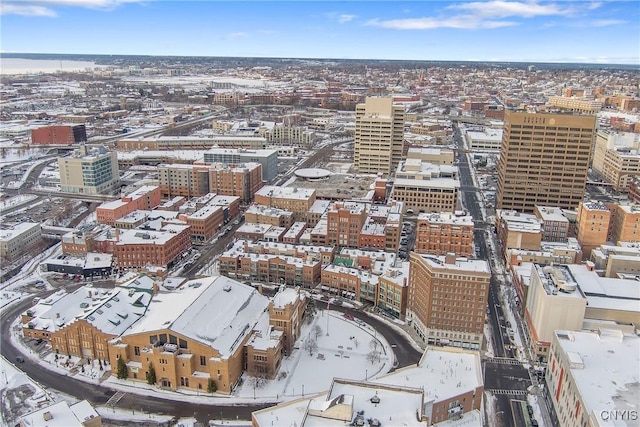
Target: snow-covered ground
{"x": 537, "y": 413}
{"x": 14, "y": 201}
{"x": 344, "y": 348}
{"x": 346, "y": 352}
{"x": 31, "y": 270}
{"x": 20, "y": 395}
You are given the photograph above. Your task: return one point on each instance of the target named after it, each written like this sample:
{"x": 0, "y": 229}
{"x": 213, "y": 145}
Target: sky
{"x": 489, "y": 30}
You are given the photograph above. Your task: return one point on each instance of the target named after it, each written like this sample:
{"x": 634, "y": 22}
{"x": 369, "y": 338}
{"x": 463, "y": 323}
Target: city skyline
{"x": 496, "y": 30}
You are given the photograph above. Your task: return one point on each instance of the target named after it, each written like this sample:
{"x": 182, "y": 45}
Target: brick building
{"x": 59, "y": 135}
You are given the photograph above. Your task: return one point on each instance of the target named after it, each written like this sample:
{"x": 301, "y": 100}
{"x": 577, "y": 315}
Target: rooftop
{"x": 216, "y": 311}
{"x": 605, "y": 367}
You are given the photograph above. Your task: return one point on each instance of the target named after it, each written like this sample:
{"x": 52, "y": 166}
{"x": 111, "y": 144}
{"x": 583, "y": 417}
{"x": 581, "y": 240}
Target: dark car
{"x": 530, "y": 410}
{"x": 20, "y": 359}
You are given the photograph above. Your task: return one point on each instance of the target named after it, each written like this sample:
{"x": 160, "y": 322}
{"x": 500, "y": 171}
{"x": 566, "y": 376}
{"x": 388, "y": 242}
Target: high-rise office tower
{"x": 544, "y": 160}
{"x": 379, "y": 136}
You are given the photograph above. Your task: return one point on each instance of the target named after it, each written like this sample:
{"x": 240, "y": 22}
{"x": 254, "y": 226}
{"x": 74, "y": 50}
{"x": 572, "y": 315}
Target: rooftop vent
{"x": 227, "y": 288}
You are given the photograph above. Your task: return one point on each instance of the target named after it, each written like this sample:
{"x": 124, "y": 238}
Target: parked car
{"x": 348, "y": 316}
{"x": 20, "y": 359}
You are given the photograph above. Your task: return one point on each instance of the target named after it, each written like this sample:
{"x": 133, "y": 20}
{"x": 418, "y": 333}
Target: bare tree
{"x": 374, "y": 343}
{"x": 373, "y": 356}
{"x": 317, "y": 330}
{"x": 311, "y": 345}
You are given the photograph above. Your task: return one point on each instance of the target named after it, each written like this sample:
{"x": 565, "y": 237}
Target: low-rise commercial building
{"x": 268, "y": 268}
{"x": 555, "y": 225}
{"x": 59, "y": 135}
{"x": 144, "y": 198}
{"x": 81, "y": 323}
{"x": 293, "y": 199}
{"x": 140, "y": 249}
{"x": 191, "y": 143}
{"x": 518, "y": 230}
{"x": 592, "y": 376}
{"x": 17, "y": 239}
{"x": 592, "y": 224}
{"x": 268, "y": 159}
{"x": 420, "y": 395}
{"x": 439, "y": 234}
{"x": 425, "y": 187}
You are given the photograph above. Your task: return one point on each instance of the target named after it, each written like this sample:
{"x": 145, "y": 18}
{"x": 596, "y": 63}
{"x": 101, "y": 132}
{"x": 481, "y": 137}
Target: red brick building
{"x": 59, "y": 134}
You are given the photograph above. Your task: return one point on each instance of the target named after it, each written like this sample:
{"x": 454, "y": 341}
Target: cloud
{"x": 26, "y": 10}
{"x": 460, "y": 22}
{"x": 484, "y": 15}
{"x": 237, "y": 35}
{"x": 46, "y": 7}
{"x": 608, "y": 22}
{"x": 346, "y": 18}
{"x": 504, "y": 9}
{"x": 340, "y": 17}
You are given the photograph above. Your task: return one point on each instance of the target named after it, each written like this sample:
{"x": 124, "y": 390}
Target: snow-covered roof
{"x": 150, "y": 237}
{"x": 460, "y": 264}
{"x": 264, "y": 336}
{"x": 389, "y": 404}
{"x": 286, "y": 192}
{"x": 11, "y": 231}
{"x": 110, "y": 311}
{"x": 605, "y": 367}
{"x": 442, "y": 372}
{"x": 60, "y": 415}
{"x": 554, "y": 214}
{"x": 285, "y": 296}
{"x": 593, "y": 285}
{"x": 216, "y": 311}
{"x": 446, "y": 218}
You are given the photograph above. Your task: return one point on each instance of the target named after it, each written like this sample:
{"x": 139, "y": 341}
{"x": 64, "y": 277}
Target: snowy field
{"x": 345, "y": 352}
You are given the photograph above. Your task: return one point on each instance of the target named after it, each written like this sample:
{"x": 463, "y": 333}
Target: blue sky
{"x": 495, "y": 30}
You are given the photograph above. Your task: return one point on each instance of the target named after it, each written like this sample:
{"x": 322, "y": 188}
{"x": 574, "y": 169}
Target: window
{"x": 203, "y": 361}
{"x": 136, "y": 350}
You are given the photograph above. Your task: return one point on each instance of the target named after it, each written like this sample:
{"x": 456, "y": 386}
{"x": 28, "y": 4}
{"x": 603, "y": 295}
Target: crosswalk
{"x": 113, "y": 400}
{"x": 502, "y": 361}
{"x": 509, "y": 392}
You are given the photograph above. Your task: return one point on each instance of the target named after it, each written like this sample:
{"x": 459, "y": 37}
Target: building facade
{"x": 59, "y": 134}
{"x": 89, "y": 171}
{"x": 379, "y": 136}
{"x": 592, "y": 223}
{"x": 448, "y": 299}
{"x": 17, "y": 239}
{"x": 544, "y": 159}
{"x": 439, "y": 234}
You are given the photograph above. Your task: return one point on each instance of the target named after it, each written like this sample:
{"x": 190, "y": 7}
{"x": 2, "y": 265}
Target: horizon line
{"x": 520, "y": 61}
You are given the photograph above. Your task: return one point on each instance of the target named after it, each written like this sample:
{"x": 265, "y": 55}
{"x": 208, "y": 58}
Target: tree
{"x": 373, "y": 356}
{"x": 121, "y": 373}
{"x": 317, "y": 330}
{"x": 211, "y": 386}
{"x": 311, "y": 345}
{"x": 374, "y": 343}
{"x": 151, "y": 375}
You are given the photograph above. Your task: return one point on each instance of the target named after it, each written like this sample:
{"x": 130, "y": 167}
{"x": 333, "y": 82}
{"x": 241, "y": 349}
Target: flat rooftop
{"x": 605, "y": 367}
